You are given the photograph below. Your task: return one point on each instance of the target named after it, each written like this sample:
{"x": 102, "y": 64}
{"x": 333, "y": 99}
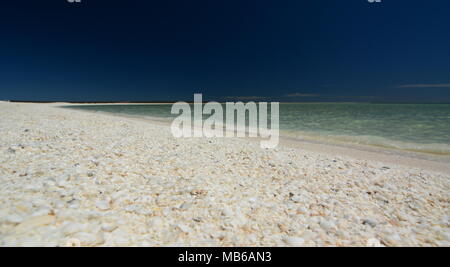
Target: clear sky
{"x": 314, "y": 50}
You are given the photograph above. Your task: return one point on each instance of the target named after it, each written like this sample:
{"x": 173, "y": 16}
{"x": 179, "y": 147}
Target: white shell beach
{"x": 76, "y": 178}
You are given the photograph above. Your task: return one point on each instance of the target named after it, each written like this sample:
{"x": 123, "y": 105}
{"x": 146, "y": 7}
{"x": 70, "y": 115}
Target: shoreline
{"x": 70, "y": 177}
{"x": 428, "y": 161}
{"x": 429, "y": 151}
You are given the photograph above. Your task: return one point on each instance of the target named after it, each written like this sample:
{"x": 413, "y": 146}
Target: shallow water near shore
{"x": 413, "y": 127}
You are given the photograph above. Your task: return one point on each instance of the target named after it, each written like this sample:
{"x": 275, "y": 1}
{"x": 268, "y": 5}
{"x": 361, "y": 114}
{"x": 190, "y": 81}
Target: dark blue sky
{"x": 314, "y": 50}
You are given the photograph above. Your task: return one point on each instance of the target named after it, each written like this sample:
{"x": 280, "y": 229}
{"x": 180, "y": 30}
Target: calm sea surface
{"x": 416, "y": 127}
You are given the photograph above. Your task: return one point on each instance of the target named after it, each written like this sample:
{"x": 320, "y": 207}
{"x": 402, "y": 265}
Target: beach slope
{"x": 70, "y": 178}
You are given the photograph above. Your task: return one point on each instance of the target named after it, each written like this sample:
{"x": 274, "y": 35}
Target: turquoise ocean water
{"x": 414, "y": 127}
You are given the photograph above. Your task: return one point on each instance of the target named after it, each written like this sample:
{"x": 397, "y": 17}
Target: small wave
{"x": 378, "y": 141}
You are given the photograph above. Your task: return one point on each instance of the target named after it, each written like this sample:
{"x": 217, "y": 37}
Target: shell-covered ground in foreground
{"x": 71, "y": 178}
